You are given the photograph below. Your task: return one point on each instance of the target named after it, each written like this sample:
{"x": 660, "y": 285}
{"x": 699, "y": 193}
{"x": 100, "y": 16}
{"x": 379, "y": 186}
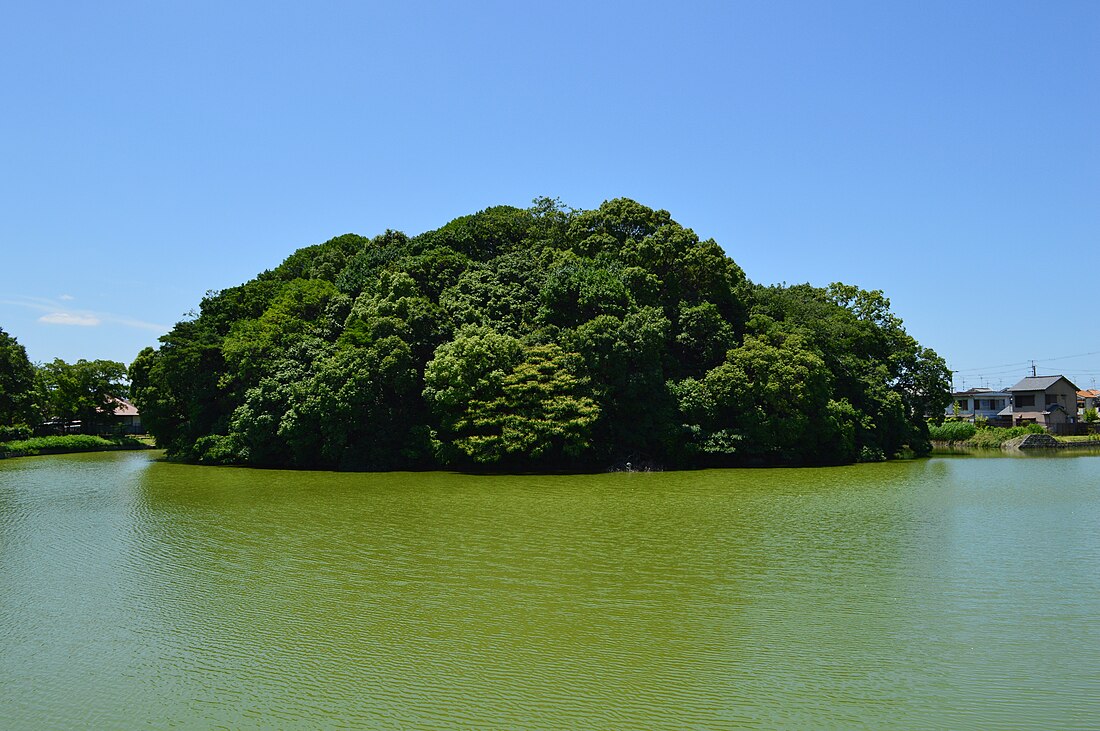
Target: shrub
{"x": 1091, "y": 415}
{"x": 13, "y": 433}
{"x": 995, "y": 437}
{"x": 871, "y": 454}
{"x": 951, "y": 431}
{"x": 214, "y": 449}
{"x": 70, "y": 443}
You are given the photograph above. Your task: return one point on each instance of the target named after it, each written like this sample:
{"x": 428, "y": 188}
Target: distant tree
{"x": 82, "y": 390}
{"x": 16, "y": 382}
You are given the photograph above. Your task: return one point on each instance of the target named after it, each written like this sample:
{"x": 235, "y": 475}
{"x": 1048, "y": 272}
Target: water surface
{"x": 945, "y": 593}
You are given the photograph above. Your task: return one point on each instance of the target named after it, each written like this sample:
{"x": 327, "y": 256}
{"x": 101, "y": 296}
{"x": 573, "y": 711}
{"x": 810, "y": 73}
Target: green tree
{"x": 769, "y": 401}
{"x": 360, "y": 410}
{"x": 537, "y": 336}
{"x": 467, "y": 370}
{"x": 580, "y": 289}
{"x": 540, "y": 412}
{"x": 503, "y": 294}
{"x": 704, "y": 337}
{"x": 625, "y": 360}
{"x": 82, "y": 390}
{"x": 16, "y": 383}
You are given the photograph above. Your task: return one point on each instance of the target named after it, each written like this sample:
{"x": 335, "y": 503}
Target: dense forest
{"x": 539, "y": 338}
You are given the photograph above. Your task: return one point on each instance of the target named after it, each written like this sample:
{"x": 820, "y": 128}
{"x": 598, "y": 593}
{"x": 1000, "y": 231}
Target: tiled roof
{"x": 1038, "y": 383}
{"x": 124, "y": 408}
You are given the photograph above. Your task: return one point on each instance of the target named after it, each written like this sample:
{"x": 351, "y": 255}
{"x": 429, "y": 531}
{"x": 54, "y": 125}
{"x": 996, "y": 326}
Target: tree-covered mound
{"x": 539, "y": 338}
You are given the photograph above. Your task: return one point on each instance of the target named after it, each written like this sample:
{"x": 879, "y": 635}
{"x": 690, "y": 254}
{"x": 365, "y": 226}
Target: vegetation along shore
{"x": 67, "y": 444}
{"x": 964, "y": 434}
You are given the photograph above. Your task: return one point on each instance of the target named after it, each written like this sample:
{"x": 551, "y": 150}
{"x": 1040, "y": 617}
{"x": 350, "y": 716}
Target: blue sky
{"x": 946, "y": 153}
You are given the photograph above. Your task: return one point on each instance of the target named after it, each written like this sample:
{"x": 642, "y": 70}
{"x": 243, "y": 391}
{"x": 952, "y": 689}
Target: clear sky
{"x": 947, "y": 153}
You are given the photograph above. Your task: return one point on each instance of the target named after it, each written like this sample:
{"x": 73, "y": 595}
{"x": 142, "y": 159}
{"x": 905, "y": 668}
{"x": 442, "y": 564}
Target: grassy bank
{"x": 1083, "y": 439}
{"x": 70, "y": 443}
{"x": 965, "y": 434}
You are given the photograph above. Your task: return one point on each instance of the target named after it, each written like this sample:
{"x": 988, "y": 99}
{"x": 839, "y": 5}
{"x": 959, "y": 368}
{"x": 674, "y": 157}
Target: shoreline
{"x": 130, "y": 445}
{"x": 1011, "y": 446}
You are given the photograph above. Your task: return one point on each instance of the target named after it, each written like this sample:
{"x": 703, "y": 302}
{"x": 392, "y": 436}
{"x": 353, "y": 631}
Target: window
{"x": 962, "y": 404}
{"x": 1052, "y": 398}
{"x": 1028, "y": 400}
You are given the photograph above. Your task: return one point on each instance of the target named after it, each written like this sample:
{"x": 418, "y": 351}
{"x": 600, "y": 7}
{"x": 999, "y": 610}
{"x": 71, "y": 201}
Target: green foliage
{"x": 996, "y": 436}
{"x": 17, "y": 394}
{"x": 535, "y": 337}
{"x": 952, "y": 431}
{"x": 69, "y": 443}
{"x": 1091, "y": 415}
{"x": 964, "y": 431}
{"x": 15, "y": 432}
{"x": 772, "y": 394}
{"x": 503, "y": 294}
{"x": 295, "y": 314}
{"x": 579, "y": 290}
{"x": 540, "y": 411}
{"x": 468, "y": 370}
{"x": 704, "y": 337}
{"x": 81, "y": 390}
{"x": 877, "y": 367}
{"x": 372, "y": 258}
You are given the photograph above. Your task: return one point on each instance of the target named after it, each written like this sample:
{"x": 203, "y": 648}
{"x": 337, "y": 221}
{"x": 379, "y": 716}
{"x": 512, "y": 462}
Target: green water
{"x": 945, "y": 593}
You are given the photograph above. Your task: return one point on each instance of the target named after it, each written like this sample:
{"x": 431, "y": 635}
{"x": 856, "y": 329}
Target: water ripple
{"x": 938, "y": 594}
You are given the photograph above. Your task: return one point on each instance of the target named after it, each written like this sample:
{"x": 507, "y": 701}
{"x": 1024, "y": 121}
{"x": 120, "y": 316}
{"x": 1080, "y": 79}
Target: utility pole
{"x": 1033, "y": 369}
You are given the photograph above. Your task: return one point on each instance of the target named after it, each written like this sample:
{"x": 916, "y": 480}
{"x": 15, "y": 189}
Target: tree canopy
{"x": 16, "y": 382}
{"x": 537, "y": 338}
{"x": 79, "y": 391}
{"x": 67, "y": 392}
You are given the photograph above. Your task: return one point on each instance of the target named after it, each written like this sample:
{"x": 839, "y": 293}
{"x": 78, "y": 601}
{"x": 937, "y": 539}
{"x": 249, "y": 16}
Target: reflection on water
{"x": 943, "y": 593}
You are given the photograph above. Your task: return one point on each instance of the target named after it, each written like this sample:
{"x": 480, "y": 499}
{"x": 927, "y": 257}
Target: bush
{"x": 951, "y": 431}
{"x": 214, "y": 449}
{"x": 995, "y": 437}
{"x": 70, "y": 443}
{"x": 870, "y": 454}
{"x": 13, "y": 433}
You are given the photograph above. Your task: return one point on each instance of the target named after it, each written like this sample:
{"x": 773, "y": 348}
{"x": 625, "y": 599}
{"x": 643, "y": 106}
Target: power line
{"x": 990, "y": 368}
{"x": 1026, "y": 362}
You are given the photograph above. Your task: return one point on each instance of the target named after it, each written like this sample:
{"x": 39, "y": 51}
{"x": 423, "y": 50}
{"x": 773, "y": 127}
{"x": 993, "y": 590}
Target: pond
{"x": 949, "y": 593}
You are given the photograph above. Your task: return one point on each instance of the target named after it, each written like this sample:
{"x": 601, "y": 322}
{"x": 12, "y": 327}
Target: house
{"x": 976, "y": 403}
{"x": 1087, "y": 399}
{"x": 1045, "y": 400}
{"x": 117, "y": 416}
{"x": 124, "y": 418}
